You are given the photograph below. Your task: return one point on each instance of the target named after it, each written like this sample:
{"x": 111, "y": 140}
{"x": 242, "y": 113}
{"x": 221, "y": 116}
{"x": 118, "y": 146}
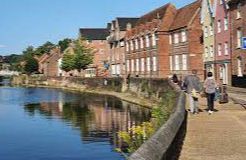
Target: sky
{"x": 33, "y": 22}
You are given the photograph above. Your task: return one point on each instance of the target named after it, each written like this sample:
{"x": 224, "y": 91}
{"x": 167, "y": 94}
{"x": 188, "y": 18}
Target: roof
{"x": 123, "y": 21}
{"x": 94, "y": 33}
{"x": 185, "y": 15}
{"x": 155, "y": 14}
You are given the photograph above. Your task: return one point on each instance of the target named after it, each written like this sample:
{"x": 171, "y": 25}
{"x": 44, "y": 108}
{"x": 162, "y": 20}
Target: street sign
{"x": 244, "y": 43}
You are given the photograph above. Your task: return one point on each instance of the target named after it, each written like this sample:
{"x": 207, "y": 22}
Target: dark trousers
{"x": 210, "y": 100}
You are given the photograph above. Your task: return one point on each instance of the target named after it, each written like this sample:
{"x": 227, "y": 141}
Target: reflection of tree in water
{"x": 99, "y": 118}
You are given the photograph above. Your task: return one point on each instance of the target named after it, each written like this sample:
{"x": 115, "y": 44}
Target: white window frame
{"x": 153, "y": 39}
{"x": 132, "y": 65}
{"x": 184, "y": 62}
{"x": 206, "y": 52}
{"x": 142, "y": 64}
{"x": 147, "y": 40}
{"x": 211, "y": 31}
{"x": 127, "y": 46}
{"x": 154, "y": 63}
{"x": 226, "y": 48}
{"x": 239, "y": 67}
{"x": 211, "y": 51}
{"x": 206, "y": 31}
{"x": 184, "y": 36}
{"x": 148, "y": 64}
{"x": 176, "y": 38}
{"x": 137, "y": 65}
{"x": 239, "y": 38}
{"x": 219, "y": 26}
{"x": 226, "y": 23}
{"x": 177, "y": 67}
{"x": 141, "y": 43}
{"x": 131, "y": 45}
{"x": 136, "y": 44}
{"x": 219, "y": 49}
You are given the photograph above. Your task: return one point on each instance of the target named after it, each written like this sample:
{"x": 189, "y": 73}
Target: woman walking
{"x": 210, "y": 89}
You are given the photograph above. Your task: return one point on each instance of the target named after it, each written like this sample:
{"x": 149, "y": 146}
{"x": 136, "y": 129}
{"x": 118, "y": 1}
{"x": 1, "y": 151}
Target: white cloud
{"x": 2, "y": 46}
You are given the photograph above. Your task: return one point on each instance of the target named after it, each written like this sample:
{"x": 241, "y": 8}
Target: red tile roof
{"x": 185, "y": 14}
{"x": 157, "y": 13}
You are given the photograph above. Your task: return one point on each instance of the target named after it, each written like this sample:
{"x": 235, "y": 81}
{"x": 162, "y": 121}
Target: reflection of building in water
{"x": 98, "y": 119}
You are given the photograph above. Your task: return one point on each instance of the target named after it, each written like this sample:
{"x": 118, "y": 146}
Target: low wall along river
{"x": 166, "y": 143}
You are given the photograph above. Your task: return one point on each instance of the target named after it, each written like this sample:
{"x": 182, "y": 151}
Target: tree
{"x": 64, "y": 44}
{"x": 67, "y": 62}
{"x": 79, "y": 59}
{"x": 31, "y": 64}
{"x": 45, "y": 48}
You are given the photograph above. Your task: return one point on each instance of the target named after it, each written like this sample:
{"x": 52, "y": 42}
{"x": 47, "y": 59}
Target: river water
{"x": 51, "y": 124}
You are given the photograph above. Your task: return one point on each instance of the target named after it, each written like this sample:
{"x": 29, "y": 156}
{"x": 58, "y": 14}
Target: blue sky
{"x": 33, "y": 22}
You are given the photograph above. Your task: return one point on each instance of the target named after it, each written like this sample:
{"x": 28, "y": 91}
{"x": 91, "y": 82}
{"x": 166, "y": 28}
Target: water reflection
{"x": 98, "y": 118}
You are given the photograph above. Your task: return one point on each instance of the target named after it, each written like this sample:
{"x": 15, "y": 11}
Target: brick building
{"x": 222, "y": 42}
{"x": 147, "y": 44}
{"x": 207, "y": 21}
{"x": 237, "y": 10}
{"x": 186, "y": 51}
{"x": 117, "y": 30}
{"x": 97, "y": 40}
{"x": 48, "y": 63}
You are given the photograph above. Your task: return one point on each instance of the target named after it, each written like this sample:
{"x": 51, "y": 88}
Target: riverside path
{"x": 220, "y": 136}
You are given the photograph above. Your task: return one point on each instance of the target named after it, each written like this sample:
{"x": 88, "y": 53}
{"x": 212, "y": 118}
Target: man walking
{"x": 193, "y": 87}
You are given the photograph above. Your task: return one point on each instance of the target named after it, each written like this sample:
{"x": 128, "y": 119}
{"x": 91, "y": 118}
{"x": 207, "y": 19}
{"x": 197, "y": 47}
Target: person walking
{"x": 193, "y": 87}
{"x": 210, "y": 89}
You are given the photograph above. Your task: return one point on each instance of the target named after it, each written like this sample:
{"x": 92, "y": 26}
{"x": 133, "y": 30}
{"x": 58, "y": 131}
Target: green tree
{"x": 45, "y": 48}
{"x": 67, "y": 62}
{"x": 64, "y": 44}
{"x": 79, "y": 59}
{"x": 31, "y": 65}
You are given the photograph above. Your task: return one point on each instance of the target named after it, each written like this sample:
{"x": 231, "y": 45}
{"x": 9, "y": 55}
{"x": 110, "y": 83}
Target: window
{"x": 211, "y": 31}
{"x": 170, "y": 39}
{"x": 239, "y": 38}
{"x": 153, "y": 39}
{"x": 219, "y": 26}
{"x": 132, "y": 65}
{"x": 226, "y": 48}
{"x": 113, "y": 69}
{"x": 206, "y": 31}
{"x": 147, "y": 41}
{"x": 211, "y": 50}
{"x": 137, "y": 65}
{"x": 171, "y": 62}
{"x": 184, "y": 61}
{"x": 176, "y": 38}
{"x": 154, "y": 61}
{"x": 226, "y": 24}
{"x": 221, "y": 2}
{"x": 176, "y": 62}
{"x": 219, "y": 50}
{"x": 122, "y": 44}
{"x": 239, "y": 10}
{"x": 239, "y": 67}
{"x": 127, "y": 65}
{"x": 136, "y": 44}
{"x": 141, "y": 43}
{"x": 184, "y": 38}
{"x": 206, "y": 52}
{"x": 131, "y": 45}
{"x": 142, "y": 64}
{"x": 118, "y": 69}
{"x": 148, "y": 64}
{"x": 127, "y": 46}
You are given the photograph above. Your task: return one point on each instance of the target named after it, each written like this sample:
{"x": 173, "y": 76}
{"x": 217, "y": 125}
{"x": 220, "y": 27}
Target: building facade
{"x": 238, "y": 30}
{"x": 222, "y": 42}
{"x": 207, "y": 21}
{"x": 97, "y": 40}
{"x": 147, "y": 44}
{"x": 116, "y": 42}
{"x": 186, "y": 51}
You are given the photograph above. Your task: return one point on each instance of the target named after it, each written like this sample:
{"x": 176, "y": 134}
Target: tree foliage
{"x": 64, "y": 44}
{"x": 79, "y": 59}
{"x": 30, "y": 63}
{"x": 45, "y": 48}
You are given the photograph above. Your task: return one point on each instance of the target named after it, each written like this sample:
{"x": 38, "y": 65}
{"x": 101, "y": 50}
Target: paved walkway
{"x": 220, "y": 136}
